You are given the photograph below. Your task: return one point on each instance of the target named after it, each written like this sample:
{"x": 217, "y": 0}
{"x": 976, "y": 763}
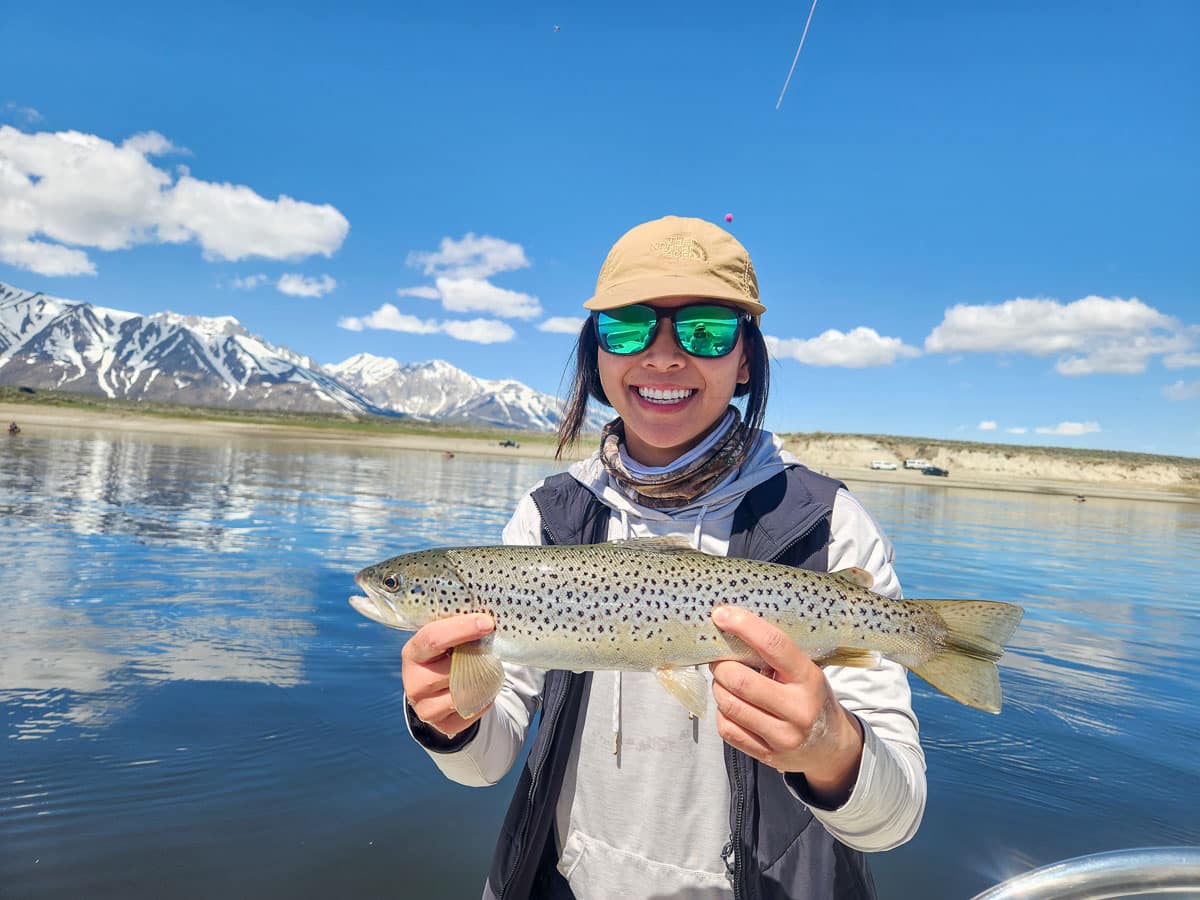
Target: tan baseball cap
{"x": 677, "y": 257}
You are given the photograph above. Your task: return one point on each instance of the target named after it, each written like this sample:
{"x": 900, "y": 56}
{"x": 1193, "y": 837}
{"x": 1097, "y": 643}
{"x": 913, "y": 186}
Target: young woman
{"x": 801, "y": 769}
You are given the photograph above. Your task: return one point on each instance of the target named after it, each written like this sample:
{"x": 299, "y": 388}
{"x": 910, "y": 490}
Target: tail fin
{"x": 965, "y": 666}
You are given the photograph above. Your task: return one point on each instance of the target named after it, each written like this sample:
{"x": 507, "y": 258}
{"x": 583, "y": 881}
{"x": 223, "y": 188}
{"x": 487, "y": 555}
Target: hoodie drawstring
{"x": 699, "y": 529}
{"x": 626, "y": 533}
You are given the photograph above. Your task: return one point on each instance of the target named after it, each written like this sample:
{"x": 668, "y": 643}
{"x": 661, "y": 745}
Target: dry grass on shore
{"x": 1051, "y": 470}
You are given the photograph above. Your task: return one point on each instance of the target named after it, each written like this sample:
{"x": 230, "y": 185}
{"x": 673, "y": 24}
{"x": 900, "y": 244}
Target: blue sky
{"x": 969, "y": 220}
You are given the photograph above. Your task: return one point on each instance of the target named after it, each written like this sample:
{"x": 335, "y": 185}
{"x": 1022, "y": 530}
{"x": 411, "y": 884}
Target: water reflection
{"x": 1099, "y": 679}
{"x": 192, "y": 709}
{"x": 142, "y": 561}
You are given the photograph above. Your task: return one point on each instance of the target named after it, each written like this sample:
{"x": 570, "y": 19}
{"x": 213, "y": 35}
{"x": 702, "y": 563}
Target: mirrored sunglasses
{"x": 702, "y": 329}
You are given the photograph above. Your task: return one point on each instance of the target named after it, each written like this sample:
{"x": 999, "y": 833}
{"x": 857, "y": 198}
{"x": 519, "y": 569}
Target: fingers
{"x": 425, "y": 669}
{"x": 778, "y": 651}
{"x": 739, "y": 738}
{"x": 747, "y": 697}
{"x": 438, "y": 712}
{"x": 751, "y": 687}
{"x": 436, "y": 638}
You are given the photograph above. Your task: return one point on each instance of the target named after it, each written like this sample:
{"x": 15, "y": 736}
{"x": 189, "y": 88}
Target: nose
{"x": 664, "y": 351}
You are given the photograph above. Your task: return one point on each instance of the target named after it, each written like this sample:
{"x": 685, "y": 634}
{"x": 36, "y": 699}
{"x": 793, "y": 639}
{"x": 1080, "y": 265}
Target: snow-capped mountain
{"x": 438, "y": 390}
{"x": 52, "y": 343}
{"x": 49, "y": 342}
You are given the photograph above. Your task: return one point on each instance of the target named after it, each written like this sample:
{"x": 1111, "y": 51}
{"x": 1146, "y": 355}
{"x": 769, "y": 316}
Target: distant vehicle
{"x": 510, "y": 443}
{"x": 882, "y": 464}
{"x": 934, "y": 470}
{"x": 916, "y": 463}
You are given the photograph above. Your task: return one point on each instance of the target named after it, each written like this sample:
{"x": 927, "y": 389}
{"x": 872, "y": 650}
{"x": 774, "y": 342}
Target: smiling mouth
{"x": 664, "y": 395}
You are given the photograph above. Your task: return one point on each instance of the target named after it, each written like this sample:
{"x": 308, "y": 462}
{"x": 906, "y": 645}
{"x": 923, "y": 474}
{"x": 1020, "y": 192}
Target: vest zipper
{"x": 733, "y": 861}
{"x": 801, "y": 536}
{"x": 545, "y": 528}
{"x": 550, "y": 717}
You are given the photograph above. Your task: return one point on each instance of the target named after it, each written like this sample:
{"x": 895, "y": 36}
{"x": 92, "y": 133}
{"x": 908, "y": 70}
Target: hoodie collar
{"x": 765, "y": 458}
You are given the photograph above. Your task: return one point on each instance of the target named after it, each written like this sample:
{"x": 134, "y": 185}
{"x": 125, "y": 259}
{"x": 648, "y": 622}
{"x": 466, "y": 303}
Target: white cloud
{"x": 1071, "y": 429}
{"x": 987, "y": 425}
{"x": 250, "y": 282}
{"x": 1182, "y": 390}
{"x": 1090, "y": 335}
{"x": 1126, "y": 357}
{"x": 1017, "y": 430}
{"x": 856, "y": 349}
{"x": 296, "y": 285}
{"x": 562, "y": 325}
{"x": 151, "y": 143}
{"x": 389, "y": 318}
{"x": 474, "y": 294}
{"x": 461, "y": 270}
{"x": 471, "y": 257}
{"x": 231, "y": 221}
{"x": 26, "y": 114}
{"x": 84, "y": 191}
{"x": 43, "y": 258}
{"x": 1181, "y": 360}
{"x": 427, "y": 293}
{"x": 480, "y": 331}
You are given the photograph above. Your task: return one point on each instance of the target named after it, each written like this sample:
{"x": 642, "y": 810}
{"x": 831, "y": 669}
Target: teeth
{"x": 664, "y": 395}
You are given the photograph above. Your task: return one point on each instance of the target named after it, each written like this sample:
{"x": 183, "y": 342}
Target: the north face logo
{"x": 679, "y": 246}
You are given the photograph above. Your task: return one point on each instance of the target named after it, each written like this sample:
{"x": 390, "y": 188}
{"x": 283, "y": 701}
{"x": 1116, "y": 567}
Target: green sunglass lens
{"x": 627, "y": 330}
{"x": 707, "y": 330}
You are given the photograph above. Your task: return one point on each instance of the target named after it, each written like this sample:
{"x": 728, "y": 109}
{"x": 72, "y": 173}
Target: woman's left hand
{"x": 786, "y": 716}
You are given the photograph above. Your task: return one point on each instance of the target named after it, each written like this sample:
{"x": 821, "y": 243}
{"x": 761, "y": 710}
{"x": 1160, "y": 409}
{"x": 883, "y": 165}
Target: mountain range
{"x": 53, "y": 343}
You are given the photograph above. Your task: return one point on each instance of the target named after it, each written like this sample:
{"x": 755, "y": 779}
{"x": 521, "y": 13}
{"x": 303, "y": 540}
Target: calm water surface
{"x": 191, "y": 709}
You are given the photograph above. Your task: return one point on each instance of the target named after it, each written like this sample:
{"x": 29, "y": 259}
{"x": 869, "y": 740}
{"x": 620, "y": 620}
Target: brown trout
{"x": 644, "y": 605}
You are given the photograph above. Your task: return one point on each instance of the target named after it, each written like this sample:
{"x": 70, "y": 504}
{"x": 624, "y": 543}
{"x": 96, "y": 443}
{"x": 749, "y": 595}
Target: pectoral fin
{"x": 476, "y": 677}
{"x": 688, "y": 686}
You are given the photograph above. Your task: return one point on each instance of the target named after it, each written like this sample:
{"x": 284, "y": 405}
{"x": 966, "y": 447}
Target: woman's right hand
{"x": 425, "y": 669}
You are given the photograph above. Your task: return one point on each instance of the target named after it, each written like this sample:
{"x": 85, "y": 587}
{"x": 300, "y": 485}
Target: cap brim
{"x": 642, "y": 290}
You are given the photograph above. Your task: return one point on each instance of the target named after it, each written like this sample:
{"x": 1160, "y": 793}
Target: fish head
{"x": 410, "y": 591}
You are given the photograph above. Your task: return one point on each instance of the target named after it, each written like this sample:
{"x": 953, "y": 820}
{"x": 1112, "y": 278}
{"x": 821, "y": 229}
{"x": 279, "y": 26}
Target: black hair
{"x": 585, "y": 383}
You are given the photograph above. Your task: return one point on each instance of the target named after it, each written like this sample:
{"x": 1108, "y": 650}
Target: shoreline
{"x": 822, "y": 456}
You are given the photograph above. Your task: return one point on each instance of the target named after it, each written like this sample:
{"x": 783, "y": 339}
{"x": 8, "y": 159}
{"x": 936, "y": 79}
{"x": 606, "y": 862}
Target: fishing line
{"x": 788, "y": 80}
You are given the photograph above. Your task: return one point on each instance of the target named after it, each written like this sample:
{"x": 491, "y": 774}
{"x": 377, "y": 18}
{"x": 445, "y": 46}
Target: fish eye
{"x": 390, "y": 583}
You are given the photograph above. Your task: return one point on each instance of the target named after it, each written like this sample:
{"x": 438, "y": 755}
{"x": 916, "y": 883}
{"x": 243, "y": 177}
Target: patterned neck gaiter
{"x": 677, "y": 487}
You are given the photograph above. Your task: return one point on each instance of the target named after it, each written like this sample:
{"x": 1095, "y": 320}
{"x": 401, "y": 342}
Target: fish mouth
{"x": 377, "y": 606}
{"x": 380, "y": 607}
{"x": 375, "y": 609}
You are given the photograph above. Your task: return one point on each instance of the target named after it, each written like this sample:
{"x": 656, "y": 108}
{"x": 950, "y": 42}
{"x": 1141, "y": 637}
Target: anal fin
{"x": 687, "y": 685}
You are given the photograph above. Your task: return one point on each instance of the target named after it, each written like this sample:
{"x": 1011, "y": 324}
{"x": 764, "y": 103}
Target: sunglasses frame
{"x": 740, "y": 319}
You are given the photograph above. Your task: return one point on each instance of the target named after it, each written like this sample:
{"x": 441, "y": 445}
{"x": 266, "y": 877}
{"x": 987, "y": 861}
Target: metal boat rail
{"x": 1147, "y": 872}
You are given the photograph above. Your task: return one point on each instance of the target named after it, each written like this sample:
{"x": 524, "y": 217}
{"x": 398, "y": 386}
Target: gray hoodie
{"x": 644, "y": 807}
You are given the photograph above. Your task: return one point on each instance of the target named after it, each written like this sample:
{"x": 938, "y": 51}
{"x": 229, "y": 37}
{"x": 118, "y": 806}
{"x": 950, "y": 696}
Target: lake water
{"x": 191, "y": 709}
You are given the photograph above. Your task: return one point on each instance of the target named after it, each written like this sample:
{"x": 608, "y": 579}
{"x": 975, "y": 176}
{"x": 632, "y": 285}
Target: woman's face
{"x": 668, "y": 399}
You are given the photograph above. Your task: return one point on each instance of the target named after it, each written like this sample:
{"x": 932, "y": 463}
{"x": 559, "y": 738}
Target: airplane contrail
{"x": 811, "y": 10}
